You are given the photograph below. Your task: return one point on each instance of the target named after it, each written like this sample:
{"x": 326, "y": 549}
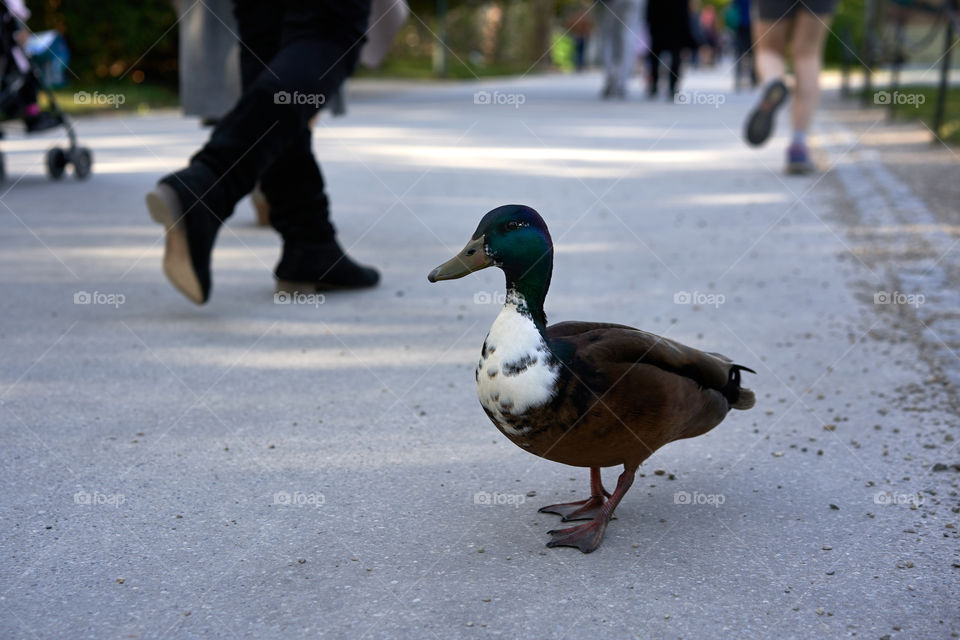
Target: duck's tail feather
{"x": 739, "y": 397}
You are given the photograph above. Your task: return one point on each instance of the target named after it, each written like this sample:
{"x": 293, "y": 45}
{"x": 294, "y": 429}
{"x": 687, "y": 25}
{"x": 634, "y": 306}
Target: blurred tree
{"x": 113, "y": 39}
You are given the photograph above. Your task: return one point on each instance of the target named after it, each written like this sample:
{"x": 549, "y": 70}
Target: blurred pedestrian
{"x": 739, "y": 21}
{"x": 800, "y": 27}
{"x": 709, "y": 33}
{"x": 209, "y": 59}
{"x": 293, "y": 55}
{"x": 580, "y": 25}
{"x": 669, "y": 23}
{"x": 618, "y": 23}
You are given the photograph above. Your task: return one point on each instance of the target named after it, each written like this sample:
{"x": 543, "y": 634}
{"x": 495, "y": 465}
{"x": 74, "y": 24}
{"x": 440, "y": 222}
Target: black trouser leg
{"x": 674, "y": 70}
{"x": 293, "y": 184}
{"x": 653, "y": 58}
{"x": 316, "y": 49}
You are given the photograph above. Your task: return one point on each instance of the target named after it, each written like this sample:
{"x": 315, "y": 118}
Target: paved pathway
{"x": 250, "y": 469}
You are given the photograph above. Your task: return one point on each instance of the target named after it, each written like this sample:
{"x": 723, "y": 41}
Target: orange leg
{"x": 584, "y": 509}
{"x": 587, "y": 536}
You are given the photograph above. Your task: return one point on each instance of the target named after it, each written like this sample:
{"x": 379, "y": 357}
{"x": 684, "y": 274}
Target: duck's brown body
{"x": 621, "y": 394}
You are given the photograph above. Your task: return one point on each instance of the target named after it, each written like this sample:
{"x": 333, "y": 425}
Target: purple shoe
{"x": 798, "y": 159}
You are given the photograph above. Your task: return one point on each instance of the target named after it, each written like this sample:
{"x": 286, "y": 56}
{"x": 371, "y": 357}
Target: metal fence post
{"x": 951, "y": 9}
{"x": 869, "y": 46}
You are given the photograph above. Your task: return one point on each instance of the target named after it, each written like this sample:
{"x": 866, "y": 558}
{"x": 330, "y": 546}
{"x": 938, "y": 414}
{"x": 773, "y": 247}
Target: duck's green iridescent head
{"x": 515, "y": 238}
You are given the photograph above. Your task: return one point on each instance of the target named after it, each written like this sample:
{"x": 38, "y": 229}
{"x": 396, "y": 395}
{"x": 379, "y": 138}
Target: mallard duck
{"x": 586, "y": 394}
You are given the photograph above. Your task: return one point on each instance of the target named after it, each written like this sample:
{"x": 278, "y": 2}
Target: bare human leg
{"x": 809, "y": 35}
{"x": 770, "y": 49}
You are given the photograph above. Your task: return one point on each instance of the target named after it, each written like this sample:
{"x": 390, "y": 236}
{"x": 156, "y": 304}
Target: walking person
{"x": 801, "y": 29}
{"x": 669, "y": 24}
{"x": 293, "y": 55}
{"x": 739, "y": 21}
{"x": 580, "y": 25}
{"x": 618, "y": 23}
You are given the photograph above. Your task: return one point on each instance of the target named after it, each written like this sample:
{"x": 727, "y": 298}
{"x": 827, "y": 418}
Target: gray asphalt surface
{"x": 256, "y": 470}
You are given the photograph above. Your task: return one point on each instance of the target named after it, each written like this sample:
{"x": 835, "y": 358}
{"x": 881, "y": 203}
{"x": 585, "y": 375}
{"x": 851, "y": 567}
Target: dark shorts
{"x": 773, "y": 10}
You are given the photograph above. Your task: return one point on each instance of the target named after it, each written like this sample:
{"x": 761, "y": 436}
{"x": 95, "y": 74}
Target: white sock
{"x": 800, "y": 137}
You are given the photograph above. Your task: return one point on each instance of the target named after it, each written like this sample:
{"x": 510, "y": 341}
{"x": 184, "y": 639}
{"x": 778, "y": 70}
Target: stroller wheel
{"x": 82, "y": 161}
{"x": 56, "y": 162}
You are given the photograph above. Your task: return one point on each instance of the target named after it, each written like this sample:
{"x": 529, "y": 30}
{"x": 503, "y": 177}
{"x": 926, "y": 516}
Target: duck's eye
{"x": 513, "y": 225}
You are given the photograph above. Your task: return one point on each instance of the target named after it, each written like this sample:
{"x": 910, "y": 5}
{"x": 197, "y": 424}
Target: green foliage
{"x": 845, "y": 40}
{"x": 114, "y": 38}
{"x": 482, "y": 38}
{"x": 562, "y": 51}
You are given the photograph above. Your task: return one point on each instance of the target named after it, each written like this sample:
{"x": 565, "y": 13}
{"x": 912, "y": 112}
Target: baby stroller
{"x": 20, "y": 81}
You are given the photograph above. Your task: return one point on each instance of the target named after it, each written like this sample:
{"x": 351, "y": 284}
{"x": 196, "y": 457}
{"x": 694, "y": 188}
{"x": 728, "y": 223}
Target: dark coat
{"x": 669, "y": 24}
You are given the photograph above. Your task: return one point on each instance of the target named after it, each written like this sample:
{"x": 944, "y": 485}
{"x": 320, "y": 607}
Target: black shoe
{"x": 190, "y": 237}
{"x": 320, "y": 266}
{"x": 760, "y": 121}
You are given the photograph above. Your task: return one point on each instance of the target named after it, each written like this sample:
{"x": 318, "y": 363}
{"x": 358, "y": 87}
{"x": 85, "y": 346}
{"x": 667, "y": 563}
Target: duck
{"x": 585, "y": 394}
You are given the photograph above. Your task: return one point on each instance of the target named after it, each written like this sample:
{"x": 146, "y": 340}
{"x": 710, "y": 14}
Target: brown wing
{"x": 608, "y": 346}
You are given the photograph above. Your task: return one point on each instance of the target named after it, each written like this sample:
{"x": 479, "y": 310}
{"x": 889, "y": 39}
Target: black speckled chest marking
{"x": 516, "y": 367}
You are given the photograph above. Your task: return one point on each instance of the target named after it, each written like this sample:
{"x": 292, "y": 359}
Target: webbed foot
{"x": 586, "y": 537}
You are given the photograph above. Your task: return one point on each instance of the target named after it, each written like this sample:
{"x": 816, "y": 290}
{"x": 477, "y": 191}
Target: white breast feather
{"x": 513, "y": 341}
